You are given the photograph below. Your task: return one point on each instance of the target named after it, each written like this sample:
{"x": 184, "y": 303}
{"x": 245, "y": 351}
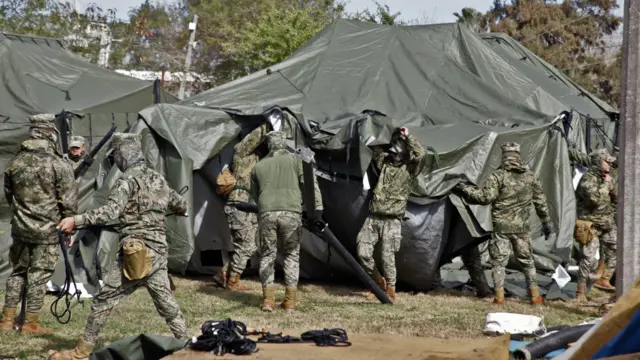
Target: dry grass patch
{"x": 448, "y": 314}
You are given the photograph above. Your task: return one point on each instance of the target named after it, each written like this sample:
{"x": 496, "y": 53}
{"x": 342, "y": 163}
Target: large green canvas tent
{"x": 348, "y": 87}
{"x": 39, "y": 75}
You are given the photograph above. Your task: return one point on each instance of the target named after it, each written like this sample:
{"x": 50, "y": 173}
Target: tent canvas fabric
{"x": 348, "y": 88}
{"x": 39, "y": 75}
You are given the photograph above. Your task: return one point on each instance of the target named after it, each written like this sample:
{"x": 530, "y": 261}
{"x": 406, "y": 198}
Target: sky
{"x": 424, "y": 11}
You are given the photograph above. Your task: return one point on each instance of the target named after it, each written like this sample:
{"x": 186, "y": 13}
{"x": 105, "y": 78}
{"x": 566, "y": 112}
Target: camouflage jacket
{"x": 278, "y": 183}
{"x": 139, "y": 200}
{"x": 511, "y": 189}
{"x": 392, "y": 190}
{"x": 40, "y": 188}
{"x": 595, "y": 200}
{"x": 578, "y": 157}
{"x": 244, "y": 160}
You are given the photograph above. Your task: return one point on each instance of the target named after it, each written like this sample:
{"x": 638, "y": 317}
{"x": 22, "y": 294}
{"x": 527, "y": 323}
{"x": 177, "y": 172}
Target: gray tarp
{"x": 39, "y": 75}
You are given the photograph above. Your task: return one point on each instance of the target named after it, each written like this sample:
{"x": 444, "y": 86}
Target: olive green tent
{"x": 347, "y": 88}
{"x": 39, "y": 75}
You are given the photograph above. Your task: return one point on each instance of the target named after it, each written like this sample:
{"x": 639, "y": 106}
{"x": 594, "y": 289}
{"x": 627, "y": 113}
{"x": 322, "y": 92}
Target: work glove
{"x": 87, "y": 160}
{"x": 546, "y": 230}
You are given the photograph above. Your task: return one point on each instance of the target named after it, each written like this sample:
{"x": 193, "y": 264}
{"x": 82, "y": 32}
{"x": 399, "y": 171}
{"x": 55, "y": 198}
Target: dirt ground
{"x": 375, "y": 347}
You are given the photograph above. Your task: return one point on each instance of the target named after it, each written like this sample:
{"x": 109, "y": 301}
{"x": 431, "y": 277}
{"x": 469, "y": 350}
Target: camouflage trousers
{"x": 280, "y": 228}
{"x": 384, "y": 235}
{"x": 472, "y": 260}
{"x": 607, "y": 241}
{"x": 499, "y": 250}
{"x": 36, "y": 263}
{"x": 116, "y": 288}
{"x": 244, "y": 229}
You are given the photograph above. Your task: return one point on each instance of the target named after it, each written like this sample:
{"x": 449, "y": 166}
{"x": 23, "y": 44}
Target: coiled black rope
{"x": 325, "y": 337}
{"x": 65, "y": 316}
{"x": 222, "y": 337}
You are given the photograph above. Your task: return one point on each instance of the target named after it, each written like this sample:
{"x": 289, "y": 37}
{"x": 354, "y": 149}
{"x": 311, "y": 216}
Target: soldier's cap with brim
{"x": 43, "y": 121}
{"x": 276, "y": 136}
{"x": 510, "y": 147}
{"x": 603, "y": 154}
{"x": 76, "y": 141}
{"x": 120, "y": 138}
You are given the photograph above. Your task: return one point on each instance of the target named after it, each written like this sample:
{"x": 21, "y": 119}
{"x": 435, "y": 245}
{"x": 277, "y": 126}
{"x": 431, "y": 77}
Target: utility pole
{"x": 187, "y": 61}
{"x": 628, "y": 268}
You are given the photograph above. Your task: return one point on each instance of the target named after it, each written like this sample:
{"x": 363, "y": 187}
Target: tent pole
{"x": 628, "y": 252}
{"x": 156, "y": 91}
{"x": 588, "y": 135}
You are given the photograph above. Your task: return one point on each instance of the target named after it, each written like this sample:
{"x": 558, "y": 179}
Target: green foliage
{"x": 570, "y": 35}
{"x": 382, "y": 15}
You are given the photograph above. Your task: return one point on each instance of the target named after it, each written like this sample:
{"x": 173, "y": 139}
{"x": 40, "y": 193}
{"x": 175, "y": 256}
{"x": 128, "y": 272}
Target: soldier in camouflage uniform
{"x": 577, "y": 157}
{"x": 596, "y": 197}
{"x": 511, "y": 189}
{"x": 139, "y": 200}
{"x": 243, "y": 225}
{"x": 277, "y": 190}
{"x": 76, "y": 151}
{"x": 40, "y": 190}
{"x": 398, "y": 167}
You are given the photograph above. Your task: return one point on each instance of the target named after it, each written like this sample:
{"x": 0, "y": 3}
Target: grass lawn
{"x": 448, "y": 314}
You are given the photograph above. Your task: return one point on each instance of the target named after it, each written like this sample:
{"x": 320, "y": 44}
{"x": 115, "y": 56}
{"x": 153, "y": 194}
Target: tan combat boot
{"x": 581, "y": 293}
{"x": 536, "y": 299}
{"x": 391, "y": 293}
{"x": 220, "y": 278}
{"x": 269, "y": 298}
{"x": 233, "y": 283}
{"x": 31, "y": 325}
{"x": 8, "y": 318}
{"x": 599, "y": 271}
{"x": 604, "y": 284}
{"x": 289, "y": 302}
{"x": 82, "y": 351}
{"x": 498, "y": 296}
{"x": 379, "y": 279}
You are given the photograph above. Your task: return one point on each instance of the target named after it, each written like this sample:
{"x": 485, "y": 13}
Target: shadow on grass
{"x": 247, "y": 298}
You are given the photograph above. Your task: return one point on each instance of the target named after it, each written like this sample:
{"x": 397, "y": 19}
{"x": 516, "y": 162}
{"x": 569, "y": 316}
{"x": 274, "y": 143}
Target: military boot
{"x": 289, "y": 302}
{"x": 31, "y": 325}
{"x": 269, "y": 298}
{"x": 391, "y": 293}
{"x": 581, "y": 293}
{"x": 82, "y": 351}
{"x": 604, "y": 284}
{"x": 8, "y": 318}
{"x": 498, "y": 296}
{"x": 379, "y": 279}
{"x": 536, "y": 299}
{"x": 220, "y": 278}
{"x": 233, "y": 283}
{"x": 599, "y": 271}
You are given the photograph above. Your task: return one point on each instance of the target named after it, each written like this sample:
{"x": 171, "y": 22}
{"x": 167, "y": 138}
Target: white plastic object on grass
{"x": 503, "y": 323}
{"x": 561, "y": 277}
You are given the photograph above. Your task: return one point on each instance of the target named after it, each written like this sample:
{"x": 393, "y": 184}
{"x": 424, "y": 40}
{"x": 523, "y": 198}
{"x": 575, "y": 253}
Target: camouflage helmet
{"x": 126, "y": 149}
{"x": 276, "y": 139}
{"x": 602, "y": 154}
{"x": 510, "y": 147}
{"x": 42, "y": 121}
{"x": 43, "y": 126}
{"x": 76, "y": 141}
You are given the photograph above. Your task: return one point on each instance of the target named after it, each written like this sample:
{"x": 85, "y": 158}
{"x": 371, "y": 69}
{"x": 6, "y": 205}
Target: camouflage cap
{"x": 602, "y": 154}
{"x": 76, "y": 141}
{"x": 120, "y": 138}
{"x": 511, "y": 147}
{"x": 43, "y": 121}
{"x": 276, "y": 138}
